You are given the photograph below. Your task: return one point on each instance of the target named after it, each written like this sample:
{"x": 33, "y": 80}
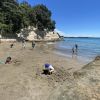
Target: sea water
{"x": 88, "y": 48}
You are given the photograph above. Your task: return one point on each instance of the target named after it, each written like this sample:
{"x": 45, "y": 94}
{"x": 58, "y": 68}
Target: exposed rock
{"x": 52, "y": 36}
{"x": 33, "y": 34}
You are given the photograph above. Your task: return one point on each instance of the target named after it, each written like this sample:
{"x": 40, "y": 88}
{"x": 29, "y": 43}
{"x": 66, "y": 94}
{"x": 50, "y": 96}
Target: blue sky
{"x": 74, "y": 17}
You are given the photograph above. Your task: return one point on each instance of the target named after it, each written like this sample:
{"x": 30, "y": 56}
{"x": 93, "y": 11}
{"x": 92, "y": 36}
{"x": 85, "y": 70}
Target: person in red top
{"x": 8, "y": 60}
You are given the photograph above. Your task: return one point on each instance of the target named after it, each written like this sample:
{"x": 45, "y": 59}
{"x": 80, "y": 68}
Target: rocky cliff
{"x": 33, "y": 34}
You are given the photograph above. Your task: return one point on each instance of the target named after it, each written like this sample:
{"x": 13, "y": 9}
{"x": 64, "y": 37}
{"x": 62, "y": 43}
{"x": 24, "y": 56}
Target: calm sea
{"x": 88, "y": 48}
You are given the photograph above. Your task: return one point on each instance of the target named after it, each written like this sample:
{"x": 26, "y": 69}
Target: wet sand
{"x": 23, "y": 78}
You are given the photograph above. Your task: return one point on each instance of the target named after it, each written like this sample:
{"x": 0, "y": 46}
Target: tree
{"x": 41, "y": 17}
{"x": 10, "y": 16}
{"x": 25, "y": 10}
{"x": 51, "y": 25}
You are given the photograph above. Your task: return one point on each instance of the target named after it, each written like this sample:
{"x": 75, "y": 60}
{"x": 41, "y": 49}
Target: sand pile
{"x": 85, "y": 84}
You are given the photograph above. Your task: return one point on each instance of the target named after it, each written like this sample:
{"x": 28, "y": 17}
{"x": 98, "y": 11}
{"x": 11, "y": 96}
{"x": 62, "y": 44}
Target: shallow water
{"x": 88, "y": 48}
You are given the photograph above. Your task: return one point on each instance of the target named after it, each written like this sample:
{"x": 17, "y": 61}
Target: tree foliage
{"x": 10, "y": 17}
{"x": 25, "y": 9}
{"x": 15, "y": 16}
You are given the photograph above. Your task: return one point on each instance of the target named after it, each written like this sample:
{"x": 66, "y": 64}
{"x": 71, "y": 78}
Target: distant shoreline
{"x": 83, "y": 37}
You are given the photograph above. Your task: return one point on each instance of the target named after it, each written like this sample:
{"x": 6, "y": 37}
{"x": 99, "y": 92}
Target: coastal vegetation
{"x": 15, "y": 16}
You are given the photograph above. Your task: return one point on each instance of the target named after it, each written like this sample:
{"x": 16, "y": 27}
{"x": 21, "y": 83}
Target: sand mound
{"x": 85, "y": 85}
{"x": 97, "y": 58}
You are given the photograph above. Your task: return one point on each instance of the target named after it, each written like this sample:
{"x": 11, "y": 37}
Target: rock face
{"x": 32, "y": 34}
{"x": 52, "y": 36}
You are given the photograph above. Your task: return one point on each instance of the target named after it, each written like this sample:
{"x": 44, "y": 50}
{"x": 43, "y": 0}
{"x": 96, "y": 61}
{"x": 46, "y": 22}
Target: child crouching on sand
{"x": 48, "y": 69}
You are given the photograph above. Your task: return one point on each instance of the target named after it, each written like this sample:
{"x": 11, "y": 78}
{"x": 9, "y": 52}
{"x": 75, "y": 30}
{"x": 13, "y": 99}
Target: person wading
{"x": 76, "y": 49}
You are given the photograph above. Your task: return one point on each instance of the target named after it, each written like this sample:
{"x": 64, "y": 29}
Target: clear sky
{"x": 74, "y": 17}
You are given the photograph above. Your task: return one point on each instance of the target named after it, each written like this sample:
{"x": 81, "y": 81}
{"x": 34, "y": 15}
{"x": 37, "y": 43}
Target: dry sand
{"x": 23, "y": 78}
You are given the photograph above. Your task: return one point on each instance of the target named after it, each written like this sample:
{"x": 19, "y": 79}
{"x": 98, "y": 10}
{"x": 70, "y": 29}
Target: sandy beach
{"x": 23, "y": 78}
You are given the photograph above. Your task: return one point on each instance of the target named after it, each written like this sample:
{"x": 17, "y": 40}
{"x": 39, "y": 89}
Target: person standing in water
{"x": 73, "y": 52}
{"x": 76, "y": 48}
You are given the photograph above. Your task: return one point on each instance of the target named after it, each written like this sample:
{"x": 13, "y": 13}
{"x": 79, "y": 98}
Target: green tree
{"x": 10, "y": 16}
{"x": 25, "y": 10}
{"x": 41, "y": 17}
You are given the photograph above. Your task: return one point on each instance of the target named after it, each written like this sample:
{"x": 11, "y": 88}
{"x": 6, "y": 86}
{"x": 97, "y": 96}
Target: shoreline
{"x": 23, "y": 78}
{"x": 84, "y": 60}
